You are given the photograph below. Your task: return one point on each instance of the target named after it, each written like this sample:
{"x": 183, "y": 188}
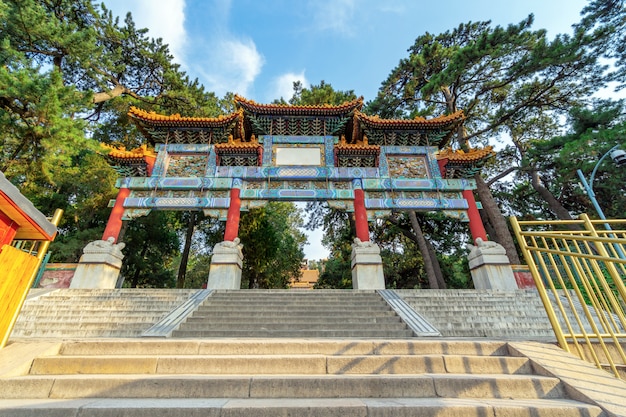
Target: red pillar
{"x": 8, "y": 229}
{"x": 475, "y": 222}
{"x": 232, "y": 218}
{"x": 360, "y": 216}
{"x": 150, "y": 160}
{"x": 442, "y": 166}
{"x": 114, "y": 225}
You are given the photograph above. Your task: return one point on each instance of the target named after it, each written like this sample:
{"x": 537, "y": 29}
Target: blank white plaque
{"x": 298, "y": 156}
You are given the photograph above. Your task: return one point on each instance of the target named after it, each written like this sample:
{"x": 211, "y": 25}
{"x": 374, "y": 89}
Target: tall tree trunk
{"x": 503, "y": 235}
{"x": 436, "y": 266}
{"x": 184, "y": 258}
{"x": 555, "y": 205}
{"x": 423, "y": 246}
{"x": 487, "y": 223}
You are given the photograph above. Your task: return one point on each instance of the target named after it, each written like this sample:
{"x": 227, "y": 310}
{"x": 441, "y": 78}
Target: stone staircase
{"x": 95, "y": 313}
{"x": 470, "y": 313}
{"x": 280, "y": 313}
{"x": 296, "y": 377}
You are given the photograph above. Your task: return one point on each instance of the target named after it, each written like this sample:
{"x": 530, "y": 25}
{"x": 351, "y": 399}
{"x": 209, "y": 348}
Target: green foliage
{"x": 151, "y": 245}
{"x": 595, "y": 130}
{"x": 605, "y": 22}
{"x": 272, "y": 245}
{"x": 320, "y": 94}
{"x": 491, "y": 73}
{"x": 402, "y": 260}
{"x": 337, "y": 273}
{"x": 404, "y": 269}
{"x": 69, "y": 71}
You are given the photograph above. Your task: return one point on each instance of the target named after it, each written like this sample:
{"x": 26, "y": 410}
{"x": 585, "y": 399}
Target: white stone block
{"x": 226, "y": 264}
{"x": 100, "y": 265}
{"x": 367, "y": 266}
{"x": 490, "y": 267}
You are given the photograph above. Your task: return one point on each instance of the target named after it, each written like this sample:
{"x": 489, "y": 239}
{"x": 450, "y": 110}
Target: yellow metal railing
{"x": 20, "y": 261}
{"x": 579, "y": 268}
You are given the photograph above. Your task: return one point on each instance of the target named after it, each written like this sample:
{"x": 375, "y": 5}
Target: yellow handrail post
{"x": 539, "y": 284}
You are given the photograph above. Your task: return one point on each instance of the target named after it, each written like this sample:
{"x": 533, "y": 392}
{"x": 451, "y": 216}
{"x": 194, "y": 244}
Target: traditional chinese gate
{"x": 260, "y": 153}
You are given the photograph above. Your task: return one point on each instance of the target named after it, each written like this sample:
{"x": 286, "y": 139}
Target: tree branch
{"x": 501, "y": 175}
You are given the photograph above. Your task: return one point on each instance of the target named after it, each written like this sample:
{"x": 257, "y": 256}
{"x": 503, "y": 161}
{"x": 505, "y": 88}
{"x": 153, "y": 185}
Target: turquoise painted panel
{"x": 174, "y": 203}
{"x": 415, "y": 204}
{"x": 297, "y": 194}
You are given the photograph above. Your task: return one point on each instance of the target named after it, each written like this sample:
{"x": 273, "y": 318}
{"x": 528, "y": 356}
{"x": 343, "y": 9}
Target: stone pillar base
{"x": 490, "y": 267}
{"x": 226, "y": 263}
{"x": 367, "y": 266}
{"x": 100, "y": 265}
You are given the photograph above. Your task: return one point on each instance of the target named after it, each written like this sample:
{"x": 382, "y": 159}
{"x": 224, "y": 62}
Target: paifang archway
{"x": 260, "y": 153}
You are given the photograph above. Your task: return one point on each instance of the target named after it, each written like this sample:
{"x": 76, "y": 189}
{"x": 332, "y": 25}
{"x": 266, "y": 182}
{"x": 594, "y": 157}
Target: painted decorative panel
{"x": 187, "y": 166}
{"x": 407, "y": 166}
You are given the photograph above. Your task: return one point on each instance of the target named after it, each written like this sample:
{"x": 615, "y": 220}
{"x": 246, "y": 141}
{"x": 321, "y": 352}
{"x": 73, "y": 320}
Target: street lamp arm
{"x": 595, "y": 169}
{"x": 592, "y": 196}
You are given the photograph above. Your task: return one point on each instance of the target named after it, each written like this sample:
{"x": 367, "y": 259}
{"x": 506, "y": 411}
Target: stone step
{"x": 209, "y": 305}
{"x": 329, "y": 347}
{"x": 87, "y": 325}
{"x": 259, "y": 325}
{"x": 293, "y": 364}
{"x": 494, "y": 309}
{"x": 380, "y": 333}
{"x": 282, "y": 319}
{"x": 72, "y": 333}
{"x": 286, "y": 295}
{"x": 293, "y": 312}
{"x": 97, "y": 315}
{"x": 324, "y": 407}
{"x": 94, "y": 306}
{"x": 94, "y": 309}
{"x": 295, "y": 304}
{"x": 283, "y": 386}
{"x": 85, "y": 299}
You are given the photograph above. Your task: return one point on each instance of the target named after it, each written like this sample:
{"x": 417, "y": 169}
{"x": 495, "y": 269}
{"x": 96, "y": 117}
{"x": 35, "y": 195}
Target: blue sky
{"x": 257, "y": 48}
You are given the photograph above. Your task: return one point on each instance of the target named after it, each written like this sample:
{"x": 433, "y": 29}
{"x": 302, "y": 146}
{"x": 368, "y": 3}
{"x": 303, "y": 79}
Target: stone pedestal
{"x": 226, "y": 263}
{"x": 100, "y": 265}
{"x": 490, "y": 267}
{"x": 367, "y": 266}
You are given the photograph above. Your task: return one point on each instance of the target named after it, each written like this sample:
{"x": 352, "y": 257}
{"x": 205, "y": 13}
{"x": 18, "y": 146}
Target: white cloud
{"x": 230, "y": 65}
{"x": 164, "y": 20}
{"x": 334, "y": 15}
{"x": 223, "y": 62}
{"x": 283, "y": 85}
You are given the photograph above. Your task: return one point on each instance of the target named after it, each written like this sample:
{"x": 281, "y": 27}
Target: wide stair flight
{"x": 287, "y": 377}
{"x": 267, "y": 313}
